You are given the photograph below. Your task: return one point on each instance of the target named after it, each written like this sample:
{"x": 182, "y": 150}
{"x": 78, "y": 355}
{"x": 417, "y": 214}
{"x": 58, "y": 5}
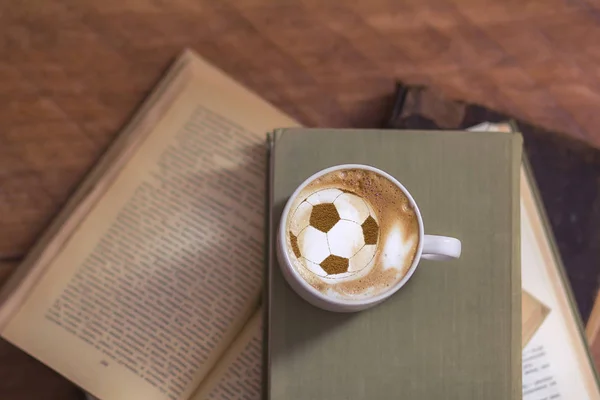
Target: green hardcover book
{"x": 454, "y": 331}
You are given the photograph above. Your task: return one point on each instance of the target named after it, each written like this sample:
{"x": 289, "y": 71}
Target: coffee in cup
{"x": 352, "y": 233}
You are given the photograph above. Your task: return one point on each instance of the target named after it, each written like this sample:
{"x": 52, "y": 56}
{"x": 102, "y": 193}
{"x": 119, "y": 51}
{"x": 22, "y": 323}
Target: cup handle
{"x": 440, "y": 248}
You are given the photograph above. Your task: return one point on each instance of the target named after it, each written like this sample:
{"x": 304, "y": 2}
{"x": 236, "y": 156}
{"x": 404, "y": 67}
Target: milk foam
{"x": 371, "y": 268}
{"x": 397, "y": 248}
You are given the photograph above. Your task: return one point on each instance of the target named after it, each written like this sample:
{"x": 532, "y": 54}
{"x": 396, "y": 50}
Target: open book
{"x": 556, "y": 361}
{"x": 147, "y": 284}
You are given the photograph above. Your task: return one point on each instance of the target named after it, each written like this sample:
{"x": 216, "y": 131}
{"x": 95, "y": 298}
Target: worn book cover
{"x": 454, "y": 331}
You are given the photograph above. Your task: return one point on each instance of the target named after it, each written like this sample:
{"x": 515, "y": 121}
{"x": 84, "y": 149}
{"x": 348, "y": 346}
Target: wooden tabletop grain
{"x": 73, "y": 71}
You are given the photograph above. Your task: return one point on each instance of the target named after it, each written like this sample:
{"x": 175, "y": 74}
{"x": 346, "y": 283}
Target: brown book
{"x": 147, "y": 284}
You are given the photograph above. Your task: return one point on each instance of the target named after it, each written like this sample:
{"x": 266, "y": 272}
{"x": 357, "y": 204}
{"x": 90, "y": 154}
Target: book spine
{"x": 516, "y": 285}
{"x": 269, "y": 264}
{"x": 396, "y": 110}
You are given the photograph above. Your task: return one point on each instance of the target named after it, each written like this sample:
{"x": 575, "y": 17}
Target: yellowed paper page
{"x": 555, "y": 362}
{"x": 238, "y": 374}
{"x": 158, "y": 278}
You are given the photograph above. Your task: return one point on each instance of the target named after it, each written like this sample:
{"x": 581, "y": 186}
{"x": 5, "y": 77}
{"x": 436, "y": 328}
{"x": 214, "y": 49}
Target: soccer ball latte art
{"x": 334, "y": 233}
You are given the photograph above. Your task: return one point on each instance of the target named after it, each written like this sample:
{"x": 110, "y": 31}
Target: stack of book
{"x": 148, "y": 283}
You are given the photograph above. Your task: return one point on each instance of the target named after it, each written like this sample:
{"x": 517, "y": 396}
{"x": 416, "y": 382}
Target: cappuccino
{"x": 352, "y": 233}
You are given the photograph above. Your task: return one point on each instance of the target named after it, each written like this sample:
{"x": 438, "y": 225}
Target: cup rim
{"x": 305, "y": 285}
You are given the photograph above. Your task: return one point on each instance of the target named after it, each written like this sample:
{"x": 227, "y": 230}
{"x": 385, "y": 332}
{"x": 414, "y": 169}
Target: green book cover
{"x": 453, "y": 332}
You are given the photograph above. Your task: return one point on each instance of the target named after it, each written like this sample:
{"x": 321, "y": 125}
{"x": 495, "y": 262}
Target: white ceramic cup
{"x": 431, "y": 247}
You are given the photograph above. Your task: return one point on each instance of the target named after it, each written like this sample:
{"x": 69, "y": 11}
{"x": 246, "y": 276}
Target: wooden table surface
{"x": 73, "y": 71}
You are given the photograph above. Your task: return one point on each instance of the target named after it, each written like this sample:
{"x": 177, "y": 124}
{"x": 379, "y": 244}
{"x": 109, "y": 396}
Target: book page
{"x": 238, "y": 374}
{"x": 154, "y": 283}
{"x": 555, "y": 362}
